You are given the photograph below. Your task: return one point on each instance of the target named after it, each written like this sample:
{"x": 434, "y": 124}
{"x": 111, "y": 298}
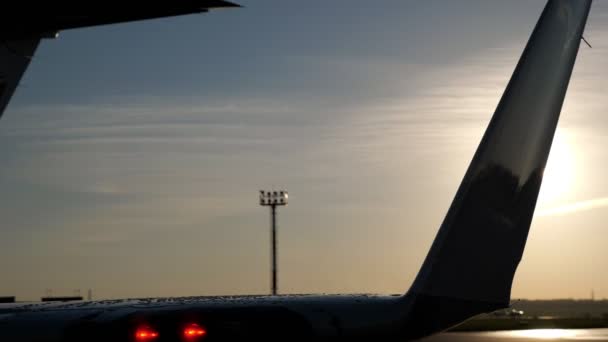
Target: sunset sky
{"x": 133, "y": 154}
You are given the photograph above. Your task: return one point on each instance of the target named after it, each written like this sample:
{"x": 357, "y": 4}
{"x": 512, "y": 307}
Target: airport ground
{"x": 521, "y": 323}
{"x": 536, "y": 320}
{"x": 562, "y": 335}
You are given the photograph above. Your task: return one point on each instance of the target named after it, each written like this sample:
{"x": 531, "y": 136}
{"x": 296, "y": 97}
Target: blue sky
{"x": 133, "y": 154}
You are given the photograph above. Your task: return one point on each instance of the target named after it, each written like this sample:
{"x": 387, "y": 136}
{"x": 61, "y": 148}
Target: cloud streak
{"x": 574, "y": 207}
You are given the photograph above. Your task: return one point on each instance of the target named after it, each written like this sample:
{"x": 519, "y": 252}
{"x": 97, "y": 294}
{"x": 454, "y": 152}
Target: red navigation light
{"x": 146, "y": 333}
{"x": 194, "y": 331}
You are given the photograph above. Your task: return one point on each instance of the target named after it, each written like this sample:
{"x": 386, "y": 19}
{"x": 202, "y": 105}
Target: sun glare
{"x": 544, "y": 334}
{"x": 559, "y": 177}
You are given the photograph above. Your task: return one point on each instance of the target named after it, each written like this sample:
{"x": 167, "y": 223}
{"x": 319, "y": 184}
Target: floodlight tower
{"x": 273, "y": 199}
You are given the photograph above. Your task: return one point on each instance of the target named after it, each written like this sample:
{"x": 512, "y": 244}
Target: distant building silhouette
{"x": 10, "y": 299}
{"x": 62, "y": 299}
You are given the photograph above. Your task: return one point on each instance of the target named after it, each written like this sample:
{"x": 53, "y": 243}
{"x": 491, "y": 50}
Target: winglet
{"x": 472, "y": 262}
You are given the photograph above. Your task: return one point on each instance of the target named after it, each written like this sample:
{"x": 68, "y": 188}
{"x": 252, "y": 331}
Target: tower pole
{"x": 273, "y": 210}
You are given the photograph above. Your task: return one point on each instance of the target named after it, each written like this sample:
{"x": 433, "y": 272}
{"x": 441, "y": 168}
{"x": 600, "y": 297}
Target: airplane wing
{"x": 22, "y": 29}
{"x": 15, "y": 56}
{"x": 49, "y": 18}
{"x": 469, "y": 269}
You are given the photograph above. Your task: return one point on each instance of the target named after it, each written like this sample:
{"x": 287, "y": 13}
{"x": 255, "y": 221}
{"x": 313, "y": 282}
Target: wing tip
{"x": 222, "y": 4}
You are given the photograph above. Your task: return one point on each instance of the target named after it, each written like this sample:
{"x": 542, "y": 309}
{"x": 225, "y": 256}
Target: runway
{"x": 525, "y": 336}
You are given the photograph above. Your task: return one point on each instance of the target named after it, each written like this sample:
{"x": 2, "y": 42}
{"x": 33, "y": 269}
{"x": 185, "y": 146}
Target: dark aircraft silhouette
{"x": 469, "y": 269}
{"x": 21, "y": 29}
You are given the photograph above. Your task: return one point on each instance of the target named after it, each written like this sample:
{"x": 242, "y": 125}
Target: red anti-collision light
{"x": 146, "y": 334}
{"x": 194, "y": 331}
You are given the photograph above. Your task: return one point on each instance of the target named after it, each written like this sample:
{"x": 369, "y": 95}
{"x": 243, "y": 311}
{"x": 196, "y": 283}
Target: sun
{"x": 560, "y": 173}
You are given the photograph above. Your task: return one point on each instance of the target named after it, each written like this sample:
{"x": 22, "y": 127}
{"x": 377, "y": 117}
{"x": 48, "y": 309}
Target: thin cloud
{"x": 574, "y": 207}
